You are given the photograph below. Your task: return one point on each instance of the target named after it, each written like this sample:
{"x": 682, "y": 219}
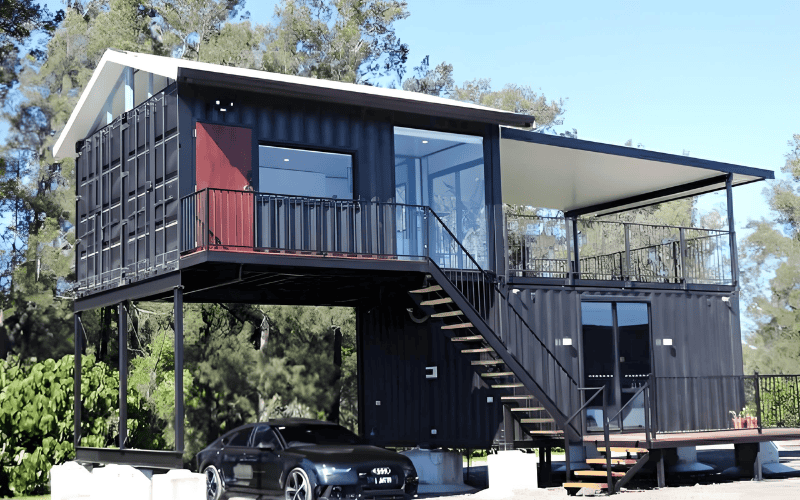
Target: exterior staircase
{"x": 526, "y": 409}
{"x": 615, "y": 468}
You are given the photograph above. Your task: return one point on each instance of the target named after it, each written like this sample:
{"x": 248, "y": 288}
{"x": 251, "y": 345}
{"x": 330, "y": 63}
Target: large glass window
{"x": 445, "y": 172}
{"x": 299, "y": 172}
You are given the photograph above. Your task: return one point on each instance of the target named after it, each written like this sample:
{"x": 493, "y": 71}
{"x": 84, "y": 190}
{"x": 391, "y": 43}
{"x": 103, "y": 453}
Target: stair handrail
{"x": 647, "y": 409}
{"x": 488, "y": 278}
{"x": 606, "y": 434}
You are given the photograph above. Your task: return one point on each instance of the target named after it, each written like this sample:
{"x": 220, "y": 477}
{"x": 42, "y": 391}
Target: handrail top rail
{"x": 622, "y": 223}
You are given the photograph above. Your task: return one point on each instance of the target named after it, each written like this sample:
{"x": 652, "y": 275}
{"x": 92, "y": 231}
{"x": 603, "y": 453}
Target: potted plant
{"x": 738, "y": 420}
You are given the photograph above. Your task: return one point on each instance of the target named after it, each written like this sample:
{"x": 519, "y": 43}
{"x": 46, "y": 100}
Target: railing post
{"x": 426, "y": 241}
{"x": 568, "y": 231}
{"x": 653, "y": 408}
{"x": 208, "y": 220}
{"x": 577, "y": 250}
{"x": 607, "y": 439}
{"x": 627, "y": 251}
{"x": 646, "y": 397}
{"x": 758, "y": 400}
{"x": 684, "y": 270}
{"x": 732, "y": 231}
{"x": 566, "y": 456}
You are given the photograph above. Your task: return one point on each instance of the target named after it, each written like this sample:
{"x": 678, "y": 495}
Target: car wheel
{"x": 298, "y": 487}
{"x": 214, "y": 487}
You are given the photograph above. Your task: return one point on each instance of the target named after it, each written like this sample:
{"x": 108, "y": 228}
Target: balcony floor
{"x": 702, "y": 438}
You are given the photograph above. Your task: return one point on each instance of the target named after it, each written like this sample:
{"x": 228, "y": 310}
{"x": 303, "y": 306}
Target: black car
{"x": 302, "y": 459}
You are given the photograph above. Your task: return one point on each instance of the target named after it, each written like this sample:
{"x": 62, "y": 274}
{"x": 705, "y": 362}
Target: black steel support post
{"x": 577, "y": 250}
{"x": 732, "y": 231}
{"x": 607, "y": 439}
{"x": 179, "y": 411}
{"x": 628, "y": 273}
{"x": 757, "y": 383}
{"x": 77, "y": 382}
{"x": 122, "y": 325}
{"x": 661, "y": 478}
{"x": 684, "y": 271}
{"x": 570, "y": 268}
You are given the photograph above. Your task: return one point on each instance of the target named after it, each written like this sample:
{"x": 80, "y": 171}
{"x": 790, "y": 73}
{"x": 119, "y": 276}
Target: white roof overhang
{"x": 105, "y": 80}
{"x": 581, "y": 177}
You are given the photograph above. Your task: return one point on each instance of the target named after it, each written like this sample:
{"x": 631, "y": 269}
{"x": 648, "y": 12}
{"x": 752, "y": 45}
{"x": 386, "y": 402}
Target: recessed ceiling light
{"x": 424, "y": 142}
{"x": 286, "y": 159}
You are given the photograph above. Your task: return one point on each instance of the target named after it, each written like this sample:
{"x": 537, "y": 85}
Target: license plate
{"x": 384, "y": 480}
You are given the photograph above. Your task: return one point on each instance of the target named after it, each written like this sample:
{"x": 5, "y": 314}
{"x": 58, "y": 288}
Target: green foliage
{"x": 437, "y": 81}
{"x": 36, "y": 417}
{"x": 779, "y": 404}
{"x": 774, "y": 302}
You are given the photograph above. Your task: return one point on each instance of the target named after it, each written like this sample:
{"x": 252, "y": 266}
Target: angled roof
{"x": 109, "y": 71}
{"x": 582, "y": 177}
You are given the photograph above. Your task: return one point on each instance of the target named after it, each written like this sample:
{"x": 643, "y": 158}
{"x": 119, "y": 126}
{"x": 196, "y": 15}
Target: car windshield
{"x": 298, "y": 435}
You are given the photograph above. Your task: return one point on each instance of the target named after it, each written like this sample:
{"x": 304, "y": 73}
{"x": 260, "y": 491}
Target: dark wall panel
{"x": 394, "y": 352}
{"x": 127, "y": 197}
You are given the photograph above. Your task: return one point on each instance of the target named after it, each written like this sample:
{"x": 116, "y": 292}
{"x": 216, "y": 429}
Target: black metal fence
{"x": 730, "y": 402}
{"x": 555, "y": 247}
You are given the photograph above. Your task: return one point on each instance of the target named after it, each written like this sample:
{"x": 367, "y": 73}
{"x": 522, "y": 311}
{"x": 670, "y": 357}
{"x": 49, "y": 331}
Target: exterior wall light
{"x": 223, "y": 105}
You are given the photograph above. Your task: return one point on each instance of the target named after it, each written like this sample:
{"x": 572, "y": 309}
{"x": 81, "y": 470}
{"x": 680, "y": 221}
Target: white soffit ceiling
{"x": 563, "y": 178}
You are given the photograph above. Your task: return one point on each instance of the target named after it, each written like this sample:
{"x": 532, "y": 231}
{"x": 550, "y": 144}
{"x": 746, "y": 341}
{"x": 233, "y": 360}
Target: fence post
{"x": 758, "y": 400}
{"x": 684, "y": 270}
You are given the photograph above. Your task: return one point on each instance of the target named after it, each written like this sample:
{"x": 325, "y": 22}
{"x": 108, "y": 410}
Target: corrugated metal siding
{"x": 127, "y": 187}
{"x": 698, "y": 376}
{"x": 394, "y": 352}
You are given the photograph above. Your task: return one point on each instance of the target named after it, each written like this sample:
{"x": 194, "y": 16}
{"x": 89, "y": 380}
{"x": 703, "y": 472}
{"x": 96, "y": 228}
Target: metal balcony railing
{"x": 589, "y": 249}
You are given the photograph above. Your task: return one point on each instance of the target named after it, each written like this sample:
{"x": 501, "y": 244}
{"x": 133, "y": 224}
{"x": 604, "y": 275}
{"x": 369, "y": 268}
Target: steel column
{"x": 179, "y": 410}
{"x": 732, "y": 231}
{"x": 77, "y": 382}
{"x": 122, "y": 325}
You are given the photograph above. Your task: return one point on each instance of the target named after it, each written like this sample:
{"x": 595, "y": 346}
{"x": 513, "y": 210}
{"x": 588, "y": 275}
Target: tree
{"x": 774, "y": 299}
{"x": 345, "y": 40}
{"x": 437, "y": 81}
{"x": 190, "y": 24}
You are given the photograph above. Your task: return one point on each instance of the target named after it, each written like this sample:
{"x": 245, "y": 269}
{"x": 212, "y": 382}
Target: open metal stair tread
{"x": 447, "y": 314}
{"x": 617, "y": 449}
{"x": 551, "y": 431}
{"x": 497, "y": 374}
{"x": 536, "y": 420}
{"x": 457, "y": 326}
{"x": 600, "y": 473}
{"x": 519, "y": 396}
{"x": 436, "y": 302}
{"x": 469, "y": 338}
{"x": 594, "y": 486}
{"x": 614, "y": 461}
{"x": 507, "y": 386}
{"x": 482, "y": 362}
{"x": 479, "y": 349}
{"x": 532, "y": 408}
{"x": 429, "y": 289}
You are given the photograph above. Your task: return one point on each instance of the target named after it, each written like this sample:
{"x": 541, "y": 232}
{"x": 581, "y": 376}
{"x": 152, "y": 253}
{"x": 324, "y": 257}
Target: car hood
{"x": 349, "y": 454}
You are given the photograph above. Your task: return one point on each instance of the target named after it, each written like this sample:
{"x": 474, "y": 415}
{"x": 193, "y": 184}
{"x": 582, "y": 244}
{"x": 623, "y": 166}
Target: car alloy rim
{"x": 211, "y": 484}
{"x": 296, "y": 487}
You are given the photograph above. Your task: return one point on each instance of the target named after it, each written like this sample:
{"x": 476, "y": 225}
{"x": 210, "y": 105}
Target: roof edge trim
{"x": 340, "y": 96}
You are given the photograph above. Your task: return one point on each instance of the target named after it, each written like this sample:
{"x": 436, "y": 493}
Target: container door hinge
{"x": 194, "y": 132}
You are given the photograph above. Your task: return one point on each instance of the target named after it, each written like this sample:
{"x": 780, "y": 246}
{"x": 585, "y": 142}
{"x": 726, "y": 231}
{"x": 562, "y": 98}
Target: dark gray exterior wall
{"x": 393, "y": 355}
{"x": 698, "y": 377}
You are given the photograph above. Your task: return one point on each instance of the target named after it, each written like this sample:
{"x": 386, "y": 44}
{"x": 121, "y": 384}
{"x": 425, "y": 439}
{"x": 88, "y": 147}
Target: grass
{"x": 42, "y": 497}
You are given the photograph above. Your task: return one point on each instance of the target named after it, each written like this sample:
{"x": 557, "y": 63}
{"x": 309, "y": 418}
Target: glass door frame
{"x": 616, "y": 384}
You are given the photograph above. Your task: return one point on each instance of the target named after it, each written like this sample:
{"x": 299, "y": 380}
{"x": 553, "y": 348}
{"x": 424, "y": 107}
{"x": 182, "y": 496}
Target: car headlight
{"x": 326, "y": 471}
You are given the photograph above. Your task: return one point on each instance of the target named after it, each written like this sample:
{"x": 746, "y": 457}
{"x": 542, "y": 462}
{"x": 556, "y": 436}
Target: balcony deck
{"x": 700, "y": 438}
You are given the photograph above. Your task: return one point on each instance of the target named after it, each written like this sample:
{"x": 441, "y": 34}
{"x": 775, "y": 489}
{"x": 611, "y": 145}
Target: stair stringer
{"x": 491, "y": 338}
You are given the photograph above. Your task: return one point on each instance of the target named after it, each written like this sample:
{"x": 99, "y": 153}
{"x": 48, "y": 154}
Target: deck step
{"x": 478, "y": 350}
{"x": 507, "y": 386}
{"x": 533, "y": 408}
{"x": 457, "y": 326}
{"x": 447, "y": 314}
{"x": 517, "y": 397}
{"x": 594, "y": 486}
{"x": 536, "y": 420}
{"x": 484, "y": 362}
{"x": 436, "y": 302}
{"x": 470, "y": 338}
{"x": 619, "y": 449}
{"x": 428, "y": 289}
{"x": 599, "y": 473}
{"x": 556, "y": 431}
{"x": 614, "y": 461}
{"x": 497, "y": 374}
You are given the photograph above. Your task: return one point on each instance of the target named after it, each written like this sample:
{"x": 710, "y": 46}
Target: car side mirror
{"x": 264, "y": 446}
{"x": 224, "y": 441}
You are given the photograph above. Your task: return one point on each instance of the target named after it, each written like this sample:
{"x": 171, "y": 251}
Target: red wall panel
{"x": 224, "y": 161}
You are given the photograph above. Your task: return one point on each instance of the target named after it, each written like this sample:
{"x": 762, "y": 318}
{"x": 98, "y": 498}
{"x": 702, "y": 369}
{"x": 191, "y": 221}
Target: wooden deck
{"x": 679, "y": 439}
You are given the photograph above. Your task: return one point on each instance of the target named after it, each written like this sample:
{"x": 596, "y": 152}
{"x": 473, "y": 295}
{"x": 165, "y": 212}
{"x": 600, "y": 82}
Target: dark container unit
{"x": 127, "y": 197}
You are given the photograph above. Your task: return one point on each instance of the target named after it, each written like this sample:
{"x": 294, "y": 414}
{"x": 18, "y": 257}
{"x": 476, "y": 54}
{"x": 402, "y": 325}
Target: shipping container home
{"x": 477, "y": 325}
